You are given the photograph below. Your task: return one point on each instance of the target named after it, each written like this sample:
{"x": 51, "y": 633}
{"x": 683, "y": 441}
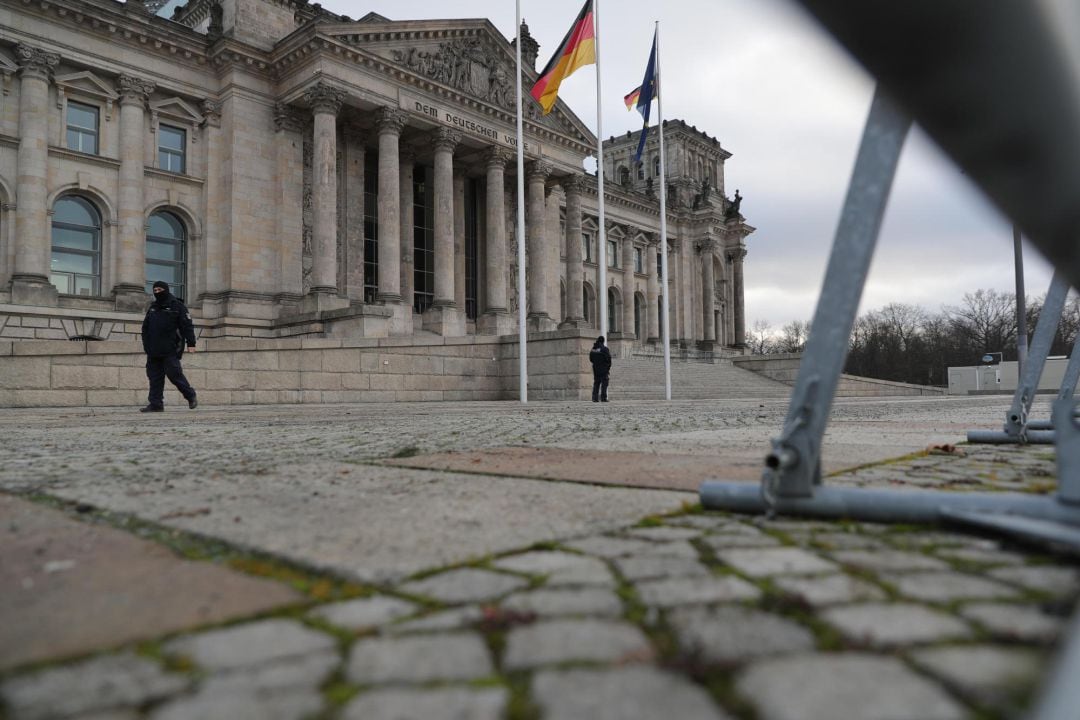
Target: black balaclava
{"x": 599, "y": 342}
{"x": 162, "y": 298}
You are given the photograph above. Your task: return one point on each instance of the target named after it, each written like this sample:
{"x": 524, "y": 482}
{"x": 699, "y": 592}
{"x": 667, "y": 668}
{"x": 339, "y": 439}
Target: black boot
{"x": 152, "y": 408}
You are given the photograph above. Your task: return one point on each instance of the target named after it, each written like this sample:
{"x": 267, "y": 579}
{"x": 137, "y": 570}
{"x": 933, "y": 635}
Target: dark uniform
{"x": 600, "y": 357}
{"x": 165, "y": 330}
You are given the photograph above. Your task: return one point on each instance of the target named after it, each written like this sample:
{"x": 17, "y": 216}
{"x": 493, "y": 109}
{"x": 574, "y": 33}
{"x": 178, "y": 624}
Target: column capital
{"x": 134, "y": 89}
{"x": 572, "y": 184}
{"x": 287, "y": 118}
{"x": 706, "y": 245}
{"x": 389, "y": 120}
{"x": 496, "y": 157}
{"x": 211, "y": 112}
{"x": 445, "y": 139}
{"x": 736, "y": 254}
{"x": 324, "y": 98}
{"x": 538, "y": 170}
{"x": 35, "y": 61}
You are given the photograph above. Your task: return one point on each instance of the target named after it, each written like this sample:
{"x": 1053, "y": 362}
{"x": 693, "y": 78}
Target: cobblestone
{"x": 250, "y": 644}
{"x": 558, "y": 641}
{"x": 735, "y": 634}
{"x": 364, "y": 613}
{"x": 633, "y": 693}
{"x": 776, "y": 561}
{"x": 465, "y": 585}
{"x": 572, "y": 601}
{"x": 398, "y": 704}
{"x": 559, "y": 568}
{"x": 887, "y": 561}
{"x": 987, "y": 674}
{"x": 419, "y": 658}
{"x": 829, "y": 589}
{"x": 946, "y": 586}
{"x": 892, "y": 624}
{"x": 858, "y": 686}
{"x": 1014, "y": 622}
{"x": 674, "y": 592}
{"x": 451, "y": 619}
{"x": 1060, "y": 581}
{"x": 648, "y": 568}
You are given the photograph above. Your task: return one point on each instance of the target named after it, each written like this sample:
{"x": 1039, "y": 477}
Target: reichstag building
{"x": 291, "y": 172}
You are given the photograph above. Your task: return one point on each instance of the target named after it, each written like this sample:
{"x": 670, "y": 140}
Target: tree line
{"x": 907, "y": 343}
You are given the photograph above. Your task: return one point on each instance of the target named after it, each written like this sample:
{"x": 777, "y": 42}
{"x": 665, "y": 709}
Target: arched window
{"x": 612, "y": 310}
{"x": 624, "y": 175}
{"x": 656, "y": 166}
{"x": 75, "y": 267}
{"x": 588, "y": 306}
{"x": 166, "y": 253}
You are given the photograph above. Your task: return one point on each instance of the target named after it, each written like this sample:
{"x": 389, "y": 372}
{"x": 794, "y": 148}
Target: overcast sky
{"x": 789, "y": 105}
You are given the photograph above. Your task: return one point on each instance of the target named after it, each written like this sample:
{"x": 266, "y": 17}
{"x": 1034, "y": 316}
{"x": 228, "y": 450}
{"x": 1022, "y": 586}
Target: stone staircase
{"x": 642, "y": 378}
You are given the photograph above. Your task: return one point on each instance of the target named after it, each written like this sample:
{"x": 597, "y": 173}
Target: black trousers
{"x": 159, "y": 368}
{"x": 599, "y": 387}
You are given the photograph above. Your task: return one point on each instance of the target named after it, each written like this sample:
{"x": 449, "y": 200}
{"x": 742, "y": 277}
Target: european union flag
{"x": 646, "y": 93}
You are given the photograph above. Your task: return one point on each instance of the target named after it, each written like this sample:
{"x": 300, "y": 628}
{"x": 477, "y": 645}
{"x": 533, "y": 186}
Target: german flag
{"x": 578, "y": 49}
{"x": 631, "y": 98}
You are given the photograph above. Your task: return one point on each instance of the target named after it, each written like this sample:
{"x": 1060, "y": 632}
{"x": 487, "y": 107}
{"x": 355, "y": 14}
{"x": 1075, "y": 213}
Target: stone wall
{"x": 785, "y": 368}
{"x": 295, "y": 370}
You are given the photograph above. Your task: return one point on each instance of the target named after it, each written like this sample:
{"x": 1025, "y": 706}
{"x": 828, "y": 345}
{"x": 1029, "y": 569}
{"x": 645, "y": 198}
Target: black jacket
{"x": 601, "y": 360}
{"x": 166, "y": 328}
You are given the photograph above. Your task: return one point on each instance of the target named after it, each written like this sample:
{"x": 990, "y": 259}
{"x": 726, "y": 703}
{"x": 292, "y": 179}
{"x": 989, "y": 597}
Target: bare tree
{"x": 793, "y": 336}
{"x": 760, "y": 337}
{"x": 987, "y": 319}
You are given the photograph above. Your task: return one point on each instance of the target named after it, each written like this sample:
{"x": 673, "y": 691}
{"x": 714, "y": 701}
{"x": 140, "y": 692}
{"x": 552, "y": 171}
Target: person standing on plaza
{"x": 165, "y": 330}
{"x": 600, "y": 357}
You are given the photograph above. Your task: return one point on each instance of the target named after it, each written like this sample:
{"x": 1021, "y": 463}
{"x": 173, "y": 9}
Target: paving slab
{"x": 286, "y": 704}
{"x": 69, "y": 587}
{"x": 363, "y": 521}
{"x": 365, "y": 613}
{"x": 1059, "y": 581}
{"x": 891, "y": 560}
{"x": 108, "y": 683}
{"x": 465, "y": 585}
{"x": 251, "y": 644}
{"x": 674, "y": 592}
{"x": 649, "y": 568}
{"x": 455, "y": 618}
{"x": 849, "y": 685}
{"x": 947, "y": 586}
{"x": 765, "y": 562}
{"x": 1015, "y": 622}
{"x": 412, "y": 704}
{"x": 829, "y": 589}
{"x": 632, "y": 693}
{"x": 566, "y": 601}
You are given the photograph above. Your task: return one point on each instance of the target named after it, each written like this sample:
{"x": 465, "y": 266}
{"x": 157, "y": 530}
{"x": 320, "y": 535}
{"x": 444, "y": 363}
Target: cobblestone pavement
{"x": 672, "y": 612}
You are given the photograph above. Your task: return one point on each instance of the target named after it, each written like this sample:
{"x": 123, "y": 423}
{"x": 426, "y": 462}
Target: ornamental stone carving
{"x": 133, "y": 89}
{"x": 287, "y": 118}
{"x": 538, "y": 170}
{"x": 389, "y": 120}
{"x": 445, "y": 139}
{"x": 211, "y": 110}
{"x": 496, "y": 157}
{"x": 35, "y": 61}
{"x": 736, "y": 254}
{"x": 572, "y": 183}
{"x": 324, "y": 98}
{"x": 466, "y": 65}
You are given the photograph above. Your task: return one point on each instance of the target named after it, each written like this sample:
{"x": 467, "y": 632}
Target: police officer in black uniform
{"x": 165, "y": 330}
{"x": 600, "y": 357}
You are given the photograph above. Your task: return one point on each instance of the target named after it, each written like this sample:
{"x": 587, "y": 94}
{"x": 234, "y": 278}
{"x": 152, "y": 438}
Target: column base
{"x": 33, "y": 290}
{"x": 706, "y": 345}
{"x": 570, "y": 323}
{"x": 322, "y": 300}
{"x": 445, "y": 320}
{"x": 540, "y": 322}
{"x": 496, "y": 322}
{"x": 130, "y": 298}
{"x": 401, "y": 321}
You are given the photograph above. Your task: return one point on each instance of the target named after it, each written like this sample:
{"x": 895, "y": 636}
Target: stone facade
{"x": 296, "y": 173}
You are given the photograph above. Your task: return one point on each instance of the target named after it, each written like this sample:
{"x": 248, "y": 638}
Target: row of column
{"x": 734, "y": 258}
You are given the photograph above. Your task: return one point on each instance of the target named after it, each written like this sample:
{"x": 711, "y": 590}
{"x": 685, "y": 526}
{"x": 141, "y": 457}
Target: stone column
{"x": 575, "y": 272}
{"x": 496, "y": 319}
{"x": 30, "y": 283}
{"x": 129, "y": 291}
{"x": 216, "y": 261}
{"x": 552, "y": 231}
{"x": 352, "y": 274}
{"x": 289, "y": 141}
{"x": 325, "y": 101}
{"x": 628, "y": 286}
{"x": 708, "y": 294}
{"x": 739, "y": 309}
{"x": 538, "y": 316}
{"x": 459, "y": 238}
{"x": 444, "y": 317}
{"x": 407, "y": 163}
{"x": 389, "y": 123}
{"x": 652, "y": 295}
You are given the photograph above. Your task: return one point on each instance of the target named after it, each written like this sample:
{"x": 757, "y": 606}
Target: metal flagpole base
{"x": 1000, "y": 437}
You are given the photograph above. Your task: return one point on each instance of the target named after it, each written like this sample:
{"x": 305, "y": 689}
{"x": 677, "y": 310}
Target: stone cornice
{"x": 134, "y": 30}
{"x": 57, "y": 151}
{"x": 227, "y": 53}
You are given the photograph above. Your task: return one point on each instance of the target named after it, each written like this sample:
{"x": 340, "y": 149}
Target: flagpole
{"x": 523, "y": 364}
{"x": 601, "y": 292}
{"x": 666, "y": 320}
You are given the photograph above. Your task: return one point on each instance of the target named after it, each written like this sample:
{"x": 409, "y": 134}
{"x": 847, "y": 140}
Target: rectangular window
{"x": 472, "y": 198}
{"x": 371, "y": 226}
{"x": 612, "y": 253}
{"x": 82, "y": 127}
{"x": 586, "y": 244}
{"x": 659, "y": 265}
{"x": 638, "y": 261}
{"x": 423, "y": 238}
{"x": 172, "y": 142}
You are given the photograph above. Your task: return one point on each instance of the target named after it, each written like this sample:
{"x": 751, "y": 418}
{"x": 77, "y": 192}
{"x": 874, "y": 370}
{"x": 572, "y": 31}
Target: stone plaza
{"x": 497, "y": 560}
